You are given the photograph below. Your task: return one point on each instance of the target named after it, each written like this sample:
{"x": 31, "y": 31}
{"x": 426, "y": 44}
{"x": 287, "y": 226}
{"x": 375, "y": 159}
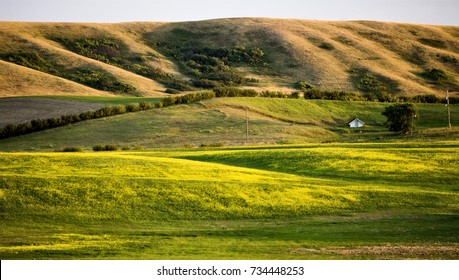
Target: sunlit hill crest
{"x": 147, "y": 59}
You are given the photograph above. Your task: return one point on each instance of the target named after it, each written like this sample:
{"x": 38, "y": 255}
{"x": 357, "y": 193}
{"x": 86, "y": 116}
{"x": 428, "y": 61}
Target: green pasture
{"x": 222, "y": 121}
{"x": 315, "y": 201}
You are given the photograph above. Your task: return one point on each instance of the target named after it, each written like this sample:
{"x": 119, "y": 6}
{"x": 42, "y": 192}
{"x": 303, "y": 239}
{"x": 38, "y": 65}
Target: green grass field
{"x": 317, "y": 201}
{"x": 223, "y": 121}
{"x": 390, "y": 197}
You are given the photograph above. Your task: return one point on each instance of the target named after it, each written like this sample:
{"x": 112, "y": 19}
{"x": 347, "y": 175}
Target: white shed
{"x": 355, "y": 123}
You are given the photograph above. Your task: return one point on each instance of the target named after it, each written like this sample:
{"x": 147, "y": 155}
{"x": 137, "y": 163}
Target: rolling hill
{"x": 145, "y": 59}
{"x": 227, "y": 177}
{"x": 222, "y": 122}
{"x": 340, "y": 201}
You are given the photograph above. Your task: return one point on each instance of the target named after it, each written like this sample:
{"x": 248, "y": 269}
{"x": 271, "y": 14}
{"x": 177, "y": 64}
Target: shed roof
{"x": 357, "y": 120}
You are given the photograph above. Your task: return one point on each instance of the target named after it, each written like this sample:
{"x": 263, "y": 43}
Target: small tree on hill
{"x": 400, "y": 117}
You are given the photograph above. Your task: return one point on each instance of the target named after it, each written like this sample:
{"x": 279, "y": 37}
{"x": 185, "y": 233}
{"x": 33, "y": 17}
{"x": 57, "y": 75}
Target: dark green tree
{"x": 400, "y": 117}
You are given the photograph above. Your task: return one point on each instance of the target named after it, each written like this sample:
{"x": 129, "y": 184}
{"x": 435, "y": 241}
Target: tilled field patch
{"x": 23, "y": 110}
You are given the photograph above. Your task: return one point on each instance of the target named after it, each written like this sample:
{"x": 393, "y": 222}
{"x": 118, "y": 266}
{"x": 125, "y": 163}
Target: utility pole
{"x": 247, "y": 123}
{"x": 449, "y": 110}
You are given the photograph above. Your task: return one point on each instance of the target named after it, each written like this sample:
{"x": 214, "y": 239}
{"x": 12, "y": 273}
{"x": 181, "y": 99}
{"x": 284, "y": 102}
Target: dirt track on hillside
{"x": 23, "y": 110}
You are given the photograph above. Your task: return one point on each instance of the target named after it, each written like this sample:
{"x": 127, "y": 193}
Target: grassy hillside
{"x": 222, "y": 121}
{"x": 37, "y": 43}
{"x": 318, "y": 201}
{"x": 261, "y": 53}
{"x": 18, "y": 80}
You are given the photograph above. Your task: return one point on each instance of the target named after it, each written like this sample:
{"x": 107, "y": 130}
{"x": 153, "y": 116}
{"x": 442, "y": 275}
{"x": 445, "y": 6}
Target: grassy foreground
{"x": 341, "y": 201}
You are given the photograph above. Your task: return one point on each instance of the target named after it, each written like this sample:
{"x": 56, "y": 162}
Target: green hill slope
{"x": 317, "y": 201}
{"x": 261, "y": 53}
{"x": 222, "y": 122}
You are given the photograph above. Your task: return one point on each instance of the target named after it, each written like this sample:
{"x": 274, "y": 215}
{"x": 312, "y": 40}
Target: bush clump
{"x": 273, "y": 94}
{"x": 112, "y": 51}
{"x": 212, "y": 145}
{"x": 400, "y": 117}
{"x": 102, "y": 49}
{"x": 437, "y": 76}
{"x": 214, "y": 67}
{"x": 132, "y": 107}
{"x": 72, "y": 149}
{"x": 98, "y": 148}
{"x": 369, "y": 84}
{"x": 145, "y": 105}
{"x": 102, "y": 148}
{"x": 234, "y": 92}
{"x": 303, "y": 86}
{"x": 295, "y": 95}
{"x": 188, "y": 98}
{"x": 32, "y": 60}
{"x": 99, "y": 80}
{"x": 118, "y": 109}
{"x": 326, "y": 46}
{"x": 172, "y": 91}
{"x": 332, "y": 95}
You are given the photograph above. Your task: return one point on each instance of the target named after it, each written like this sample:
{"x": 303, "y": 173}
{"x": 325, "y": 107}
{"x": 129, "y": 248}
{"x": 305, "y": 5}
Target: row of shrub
{"x": 332, "y": 95}
{"x": 70, "y": 150}
{"x": 186, "y": 99}
{"x": 212, "y": 145}
{"x": 99, "y": 148}
{"x": 108, "y": 147}
{"x": 43, "y": 124}
{"x": 355, "y": 96}
{"x": 234, "y": 92}
{"x": 309, "y": 94}
{"x": 315, "y": 93}
{"x": 429, "y": 98}
{"x": 373, "y": 91}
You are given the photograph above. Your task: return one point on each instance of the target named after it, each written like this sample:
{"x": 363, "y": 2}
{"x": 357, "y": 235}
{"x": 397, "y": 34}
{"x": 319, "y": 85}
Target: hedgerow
{"x": 99, "y": 80}
{"x": 188, "y": 98}
{"x": 234, "y": 92}
{"x": 315, "y": 93}
{"x": 12, "y": 130}
{"x": 102, "y": 148}
{"x": 72, "y": 149}
{"x": 273, "y": 94}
